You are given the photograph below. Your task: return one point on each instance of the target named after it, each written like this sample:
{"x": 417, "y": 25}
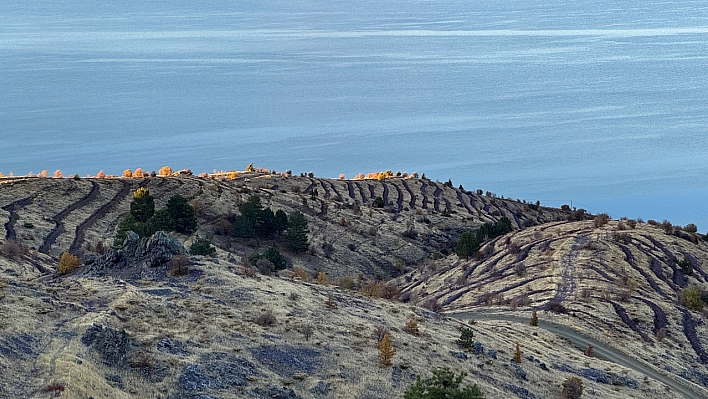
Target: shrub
{"x": 307, "y": 331}
{"x": 590, "y": 351}
{"x": 386, "y": 351}
{"x": 572, "y": 388}
{"x": 266, "y": 319}
{"x": 68, "y": 263}
{"x": 347, "y": 283}
{"x": 12, "y": 249}
{"x": 202, "y": 246}
{"x": 380, "y": 331}
{"x": 379, "y": 202}
{"x": 466, "y": 338}
{"x": 54, "y": 387}
{"x": 433, "y": 305}
{"x": 179, "y": 265}
{"x": 265, "y": 267}
{"x": 444, "y": 384}
{"x": 686, "y": 266}
{"x": 100, "y": 248}
{"x": 517, "y": 353}
{"x": 273, "y": 255}
{"x": 28, "y": 225}
{"x": 691, "y": 298}
{"x": 601, "y": 220}
{"x": 534, "y": 319}
{"x": 322, "y": 278}
{"x": 690, "y": 228}
{"x": 556, "y": 307}
{"x": 300, "y": 273}
{"x": 411, "y": 326}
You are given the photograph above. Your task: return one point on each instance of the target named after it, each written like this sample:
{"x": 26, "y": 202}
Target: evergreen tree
{"x": 242, "y": 227}
{"x": 271, "y": 254}
{"x": 467, "y": 245}
{"x": 280, "y": 223}
{"x": 296, "y": 235}
{"x": 201, "y": 246}
{"x": 162, "y": 221}
{"x": 143, "y": 205}
{"x": 443, "y": 385}
{"x": 183, "y": 214}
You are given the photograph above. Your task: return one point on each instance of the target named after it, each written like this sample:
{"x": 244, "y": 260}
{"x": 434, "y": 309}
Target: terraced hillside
{"x": 621, "y": 284}
{"x": 419, "y": 218}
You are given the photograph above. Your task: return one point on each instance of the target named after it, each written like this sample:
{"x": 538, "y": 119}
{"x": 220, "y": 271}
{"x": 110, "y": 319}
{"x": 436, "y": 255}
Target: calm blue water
{"x": 595, "y": 102}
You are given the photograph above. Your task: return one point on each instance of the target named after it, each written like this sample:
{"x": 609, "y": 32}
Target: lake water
{"x": 601, "y": 103}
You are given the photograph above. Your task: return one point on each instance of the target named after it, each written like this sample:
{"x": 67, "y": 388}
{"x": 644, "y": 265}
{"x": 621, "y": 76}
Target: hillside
{"x": 125, "y": 326}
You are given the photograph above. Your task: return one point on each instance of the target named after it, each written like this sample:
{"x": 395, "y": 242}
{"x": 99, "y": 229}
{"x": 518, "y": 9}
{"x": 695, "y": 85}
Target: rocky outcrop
{"x": 137, "y": 255}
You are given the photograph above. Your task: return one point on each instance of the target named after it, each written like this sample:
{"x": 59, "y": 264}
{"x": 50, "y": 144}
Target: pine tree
{"x": 443, "y": 385}
{"x": 183, "y": 214}
{"x": 143, "y": 205}
{"x": 296, "y": 236}
{"x": 466, "y": 338}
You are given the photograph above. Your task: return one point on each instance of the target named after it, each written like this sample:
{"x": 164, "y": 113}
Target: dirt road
{"x": 602, "y": 350}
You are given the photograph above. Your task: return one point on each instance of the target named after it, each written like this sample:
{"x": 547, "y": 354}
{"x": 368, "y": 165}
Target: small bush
{"x": 601, "y": 220}
{"x": 433, "y": 305}
{"x": 690, "y": 228}
{"x": 691, "y": 298}
{"x": 322, "y": 278}
{"x": 12, "y": 249}
{"x": 380, "y": 331}
{"x": 686, "y": 266}
{"x": 300, "y": 273}
{"x": 68, "y": 263}
{"x": 202, "y": 246}
{"x": 307, "y": 331}
{"x": 443, "y": 384}
{"x": 266, "y": 319}
{"x": 179, "y": 265}
{"x": 411, "y": 326}
{"x": 28, "y": 225}
{"x": 590, "y": 351}
{"x": 556, "y": 307}
{"x": 347, "y": 283}
{"x": 265, "y": 267}
{"x": 572, "y": 388}
{"x": 54, "y": 387}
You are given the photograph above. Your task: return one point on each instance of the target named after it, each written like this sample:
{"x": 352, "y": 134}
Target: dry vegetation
{"x": 333, "y": 324}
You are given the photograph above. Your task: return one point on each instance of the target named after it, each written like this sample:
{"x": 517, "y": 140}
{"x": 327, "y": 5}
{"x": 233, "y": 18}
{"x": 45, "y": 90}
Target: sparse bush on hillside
{"x": 271, "y": 254}
{"x": 179, "y": 265}
{"x": 517, "y": 353}
{"x": 300, "y": 273}
{"x": 556, "y": 307}
{"x": 411, "y": 325}
{"x": 266, "y": 319}
{"x": 691, "y": 298}
{"x": 572, "y": 388}
{"x": 601, "y": 220}
{"x": 68, "y": 263}
{"x": 443, "y": 385}
{"x": 202, "y": 246}
{"x": 686, "y": 266}
{"x": 11, "y": 249}
{"x": 378, "y": 202}
{"x": 433, "y": 305}
{"x": 690, "y": 228}
{"x": 667, "y": 227}
{"x": 347, "y": 283}
{"x": 322, "y": 278}
{"x": 379, "y": 332}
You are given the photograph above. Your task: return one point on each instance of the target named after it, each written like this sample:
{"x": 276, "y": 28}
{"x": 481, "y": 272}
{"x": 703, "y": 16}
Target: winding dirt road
{"x": 602, "y": 350}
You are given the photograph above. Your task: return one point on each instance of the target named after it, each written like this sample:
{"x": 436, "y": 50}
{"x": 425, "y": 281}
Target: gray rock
{"x": 171, "y": 346}
{"x": 458, "y": 355}
{"x": 321, "y": 389}
{"x": 113, "y": 345}
{"x": 219, "y": 371}
{"x": 477, "y": 348}
{"x": 287, "y": 360}
{"x": 396, "y": 375}
{"x": 519, "y": 372}
{"x": 275, "y": 392}
{"x": 492, "y": 353}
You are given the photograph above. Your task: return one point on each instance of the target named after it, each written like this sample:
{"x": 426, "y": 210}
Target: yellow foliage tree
{"x": 386, "y": 351}
{"x": 249, "y": 168}
{"x": 68, "y": 263}
{"x": 101, "y": 175}
{"x": 128, "y": 173}
{"x": 322, "y": 278}
{"x": 233, "y": 175}
{"x": 58, "y": 174}
{"x": 138, "y": 173}
{"x": 517, "y": 353}
{"x": 165, "y": 171}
